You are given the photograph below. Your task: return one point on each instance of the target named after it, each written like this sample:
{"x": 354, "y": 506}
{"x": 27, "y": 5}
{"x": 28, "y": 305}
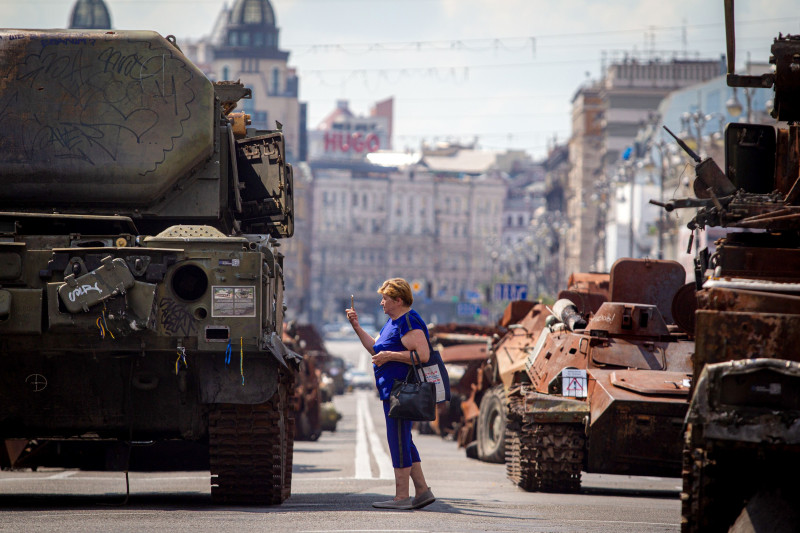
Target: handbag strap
{"x": 416, "y": 369}
{"x": 430, "y": 346}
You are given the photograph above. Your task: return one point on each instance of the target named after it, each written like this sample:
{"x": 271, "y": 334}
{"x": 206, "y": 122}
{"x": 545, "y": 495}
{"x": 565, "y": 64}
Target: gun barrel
{"x": 669, "y": 206}
{"x": 685, "y": 147}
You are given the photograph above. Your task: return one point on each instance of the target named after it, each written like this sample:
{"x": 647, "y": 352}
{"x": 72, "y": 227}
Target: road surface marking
{"x": 363, "y": 470}
{"x": 365, "y": 433}
{"x": 384, "y": 463}
{"x": 62, "y": 475}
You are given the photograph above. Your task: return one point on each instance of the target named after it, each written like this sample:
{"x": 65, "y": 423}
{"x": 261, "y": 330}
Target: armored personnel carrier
{"x": 141, "y": 286}
{"x": 742, "y": 439}
{"x": 601, "y": 389}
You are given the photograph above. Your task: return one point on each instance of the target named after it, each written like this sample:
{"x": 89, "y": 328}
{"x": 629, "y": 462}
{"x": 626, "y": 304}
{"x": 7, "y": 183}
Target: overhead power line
{"x": 519, "y": 42}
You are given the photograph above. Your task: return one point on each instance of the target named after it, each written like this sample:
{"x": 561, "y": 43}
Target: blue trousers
{"x": 401, "y": 447}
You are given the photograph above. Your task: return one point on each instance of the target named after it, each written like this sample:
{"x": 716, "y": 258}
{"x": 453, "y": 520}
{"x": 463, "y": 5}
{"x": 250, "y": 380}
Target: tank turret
{"x": 122, "y": 123}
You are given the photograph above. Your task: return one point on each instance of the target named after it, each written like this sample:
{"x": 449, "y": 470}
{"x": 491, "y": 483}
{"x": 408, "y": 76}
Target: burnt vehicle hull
{"x": 741, "y": 455}
{"x": 141, "y": 288}
{"x": 607, "y": 396}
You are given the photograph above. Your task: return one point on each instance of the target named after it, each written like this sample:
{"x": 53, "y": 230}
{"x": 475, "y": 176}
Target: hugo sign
{"x": 354, "y": 142}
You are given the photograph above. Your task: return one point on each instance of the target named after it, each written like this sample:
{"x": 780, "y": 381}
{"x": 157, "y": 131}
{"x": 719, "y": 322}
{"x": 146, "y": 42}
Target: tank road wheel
{"x": 547, "y": 457}
{"x": 250, "y": 450}
{"x": 491, "y": 430}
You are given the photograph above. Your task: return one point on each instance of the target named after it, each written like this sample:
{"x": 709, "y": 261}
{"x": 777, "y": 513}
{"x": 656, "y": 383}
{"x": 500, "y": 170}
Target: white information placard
{"x": 573, "y": 382}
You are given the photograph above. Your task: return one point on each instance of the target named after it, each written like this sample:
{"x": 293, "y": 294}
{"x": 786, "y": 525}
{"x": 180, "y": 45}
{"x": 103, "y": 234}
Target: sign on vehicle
{"x": 573, "y": 382}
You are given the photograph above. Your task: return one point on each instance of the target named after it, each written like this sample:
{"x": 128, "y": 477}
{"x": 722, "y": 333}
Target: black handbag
{"x": 413, "y": 399}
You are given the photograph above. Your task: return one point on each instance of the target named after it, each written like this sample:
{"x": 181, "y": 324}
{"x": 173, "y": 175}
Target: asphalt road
{"x": 335, "y": 480}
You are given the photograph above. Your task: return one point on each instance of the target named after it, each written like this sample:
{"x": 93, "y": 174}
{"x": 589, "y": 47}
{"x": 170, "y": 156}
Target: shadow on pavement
{"x": 313, "y": 503}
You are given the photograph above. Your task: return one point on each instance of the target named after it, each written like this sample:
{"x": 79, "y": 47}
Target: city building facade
{"x": 244, "y": 46}
{"x": 431, "y": 216}
{"x": 90, "y": 15}
{"x": 607, "y": 116}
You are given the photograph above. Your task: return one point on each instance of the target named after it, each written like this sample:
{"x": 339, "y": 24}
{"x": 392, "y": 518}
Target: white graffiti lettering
{"x": 83, "y": 290}
{"x": 609, "y": 319}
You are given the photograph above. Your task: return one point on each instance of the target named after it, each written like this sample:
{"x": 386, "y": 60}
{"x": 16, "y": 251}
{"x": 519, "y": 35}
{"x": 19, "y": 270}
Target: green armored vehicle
{"x": 141, "y": 289}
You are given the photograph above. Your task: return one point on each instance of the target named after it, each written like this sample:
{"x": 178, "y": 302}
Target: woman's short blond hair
{"x": 397, "y": 288}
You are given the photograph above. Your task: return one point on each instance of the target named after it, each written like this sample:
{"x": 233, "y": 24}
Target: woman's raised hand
{"x": 352, "y": 316}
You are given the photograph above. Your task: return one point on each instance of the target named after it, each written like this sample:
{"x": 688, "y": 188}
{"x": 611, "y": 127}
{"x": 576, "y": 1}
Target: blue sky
{"x": 503, "y": 71}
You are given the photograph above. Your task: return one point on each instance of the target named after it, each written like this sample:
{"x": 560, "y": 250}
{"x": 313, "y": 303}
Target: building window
{"x": 226, "y": 73}
{"x": 252, "y": 12}
{"x": 275, "y": 80}
{"x": 245, "y": 38}
{"x": 258, "y": 39}
{"x": 260, "y": 118}
{"x": 233, "y": 38}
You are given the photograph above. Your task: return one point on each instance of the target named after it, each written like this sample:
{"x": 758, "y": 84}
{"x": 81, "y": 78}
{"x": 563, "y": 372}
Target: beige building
{"x": 606, "y": 117}
{"x": 244, "y": 46}
{"x": 90, "y": 15}
{"x": 423, "y": 217}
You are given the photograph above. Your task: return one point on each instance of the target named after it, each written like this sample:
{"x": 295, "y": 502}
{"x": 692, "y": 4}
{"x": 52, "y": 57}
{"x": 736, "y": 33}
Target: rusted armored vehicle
{"x": 464, "y": 349}
{"x": 603, "y": 390}
{"x": 742, "y": 439}
{"x": 141, "y": 287}
{"x": 306, "y": 401}
{"x": 483, "y": 431}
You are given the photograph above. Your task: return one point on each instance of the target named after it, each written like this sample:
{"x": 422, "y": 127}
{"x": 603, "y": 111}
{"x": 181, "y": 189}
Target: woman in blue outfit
{"x": 403, "y": 332}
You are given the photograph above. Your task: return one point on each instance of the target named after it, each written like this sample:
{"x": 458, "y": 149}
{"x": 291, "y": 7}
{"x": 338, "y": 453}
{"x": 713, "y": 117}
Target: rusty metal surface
{"x": 720, "y": 299}
{"x": 647, "y": 356}
{"x": 542, "y": 456}
{"x": 634, "y": 423}
{"x": 305, "y": 402}
{"x": 729, "y": 335}
{"x": 663, "y": 383}
{"x": 516, "y": 311}
{"x": 587, "y": 291}
{"x": 638, "y": 320}
{"x": 515, "y": 347}
{"x": 464, "y": 352}
{"x": 653, "y": 282}
{"x": 467, "y": 329}
{"x": 591, "y": 282}
{"x": 631, "y": 436}
{"x": 656, "y": 355}
{"x": 774, "y": 263}
{"x": 557, "y": 409}
{"x": 683, "y": 307}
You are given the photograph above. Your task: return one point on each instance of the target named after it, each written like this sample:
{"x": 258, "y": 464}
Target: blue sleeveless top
{"x": 389, "y": 339}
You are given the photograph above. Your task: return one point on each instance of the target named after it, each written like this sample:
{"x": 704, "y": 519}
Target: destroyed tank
{"x": 141, "y": 286}
{"x": 603, "y": 391}
{"x": 742, "y": 436}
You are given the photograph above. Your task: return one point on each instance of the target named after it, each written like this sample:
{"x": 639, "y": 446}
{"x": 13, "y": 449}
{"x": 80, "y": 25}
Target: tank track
{"x": 251, "y": 448}
{"x": 708, "y": 498}
{"x": 542, "y": 457}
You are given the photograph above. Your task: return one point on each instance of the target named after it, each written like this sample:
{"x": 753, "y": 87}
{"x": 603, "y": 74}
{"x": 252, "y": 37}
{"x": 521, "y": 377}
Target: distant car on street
{"x": 358, "y": 379}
